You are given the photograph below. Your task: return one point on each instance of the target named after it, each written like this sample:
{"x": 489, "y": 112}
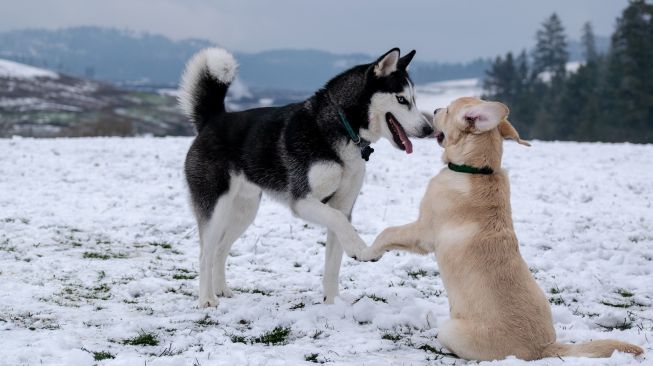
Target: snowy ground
{"x": 97, "y": 247}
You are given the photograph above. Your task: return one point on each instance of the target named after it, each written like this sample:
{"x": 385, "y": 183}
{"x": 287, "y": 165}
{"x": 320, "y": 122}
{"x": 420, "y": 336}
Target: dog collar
{"x": 486, "y": 170}
{"x": 363, "y": 145}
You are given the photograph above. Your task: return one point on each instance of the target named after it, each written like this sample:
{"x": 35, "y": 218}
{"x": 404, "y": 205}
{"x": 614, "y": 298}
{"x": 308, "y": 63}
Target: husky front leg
{"x": 409, "y": 237}
{"x": 312, "y": 210}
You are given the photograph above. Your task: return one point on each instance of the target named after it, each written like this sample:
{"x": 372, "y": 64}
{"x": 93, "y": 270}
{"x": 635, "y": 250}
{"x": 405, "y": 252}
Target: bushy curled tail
{"x": 204, "y": 84}
{"x": 600, "y": 348}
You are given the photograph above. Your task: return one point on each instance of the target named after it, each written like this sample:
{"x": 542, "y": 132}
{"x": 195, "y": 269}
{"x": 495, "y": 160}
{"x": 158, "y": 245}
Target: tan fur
{"x": 497, "y": 308}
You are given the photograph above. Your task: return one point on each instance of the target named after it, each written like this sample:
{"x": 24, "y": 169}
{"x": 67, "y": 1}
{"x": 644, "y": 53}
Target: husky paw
{"x": 369, "y": 255}
{"x": 208, "y": 301}
{"x": 224, "y": 292}
{"x": 356, "y": 248}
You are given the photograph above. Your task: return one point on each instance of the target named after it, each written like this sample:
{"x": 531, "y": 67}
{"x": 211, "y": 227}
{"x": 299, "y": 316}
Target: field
{"x": 99, "y": 260}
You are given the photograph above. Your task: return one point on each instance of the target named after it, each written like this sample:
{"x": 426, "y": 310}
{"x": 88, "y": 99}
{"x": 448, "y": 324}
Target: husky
{"x": 309, "y": 155}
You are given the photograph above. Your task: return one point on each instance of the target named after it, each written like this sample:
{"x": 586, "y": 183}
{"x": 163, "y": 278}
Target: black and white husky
{"x": 308, "y": 155}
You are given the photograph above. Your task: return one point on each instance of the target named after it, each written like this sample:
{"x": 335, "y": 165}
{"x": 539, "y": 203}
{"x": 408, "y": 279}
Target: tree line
{"x": 607, "y": 97}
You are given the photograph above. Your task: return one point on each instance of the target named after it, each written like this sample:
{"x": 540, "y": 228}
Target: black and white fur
{"x": 300, "y": 154}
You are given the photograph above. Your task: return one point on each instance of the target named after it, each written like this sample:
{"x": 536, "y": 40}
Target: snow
{"x": 571, "y": 67}
{"x": 10, "y": 69}
{"x": 97, "y": 244}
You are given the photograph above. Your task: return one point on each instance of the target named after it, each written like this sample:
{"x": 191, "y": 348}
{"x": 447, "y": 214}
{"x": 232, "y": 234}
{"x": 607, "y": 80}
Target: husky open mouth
{"x": 398, "y": 134}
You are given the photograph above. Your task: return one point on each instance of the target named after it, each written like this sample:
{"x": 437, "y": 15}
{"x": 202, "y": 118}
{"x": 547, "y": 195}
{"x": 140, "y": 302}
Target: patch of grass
{"x": 617, "y": 305}
{"x": 373, "y": 298}
{"x": 312, "y": 357}
{"x": 182, "y": 276}
{"x": 103, "y": 256}
{"x": 142, "y": 339}
{"x": 391, "y": 337}
{"x": 626, "y": 324}
{"x": 297, "y": 306}
{"x": 206, "y": 321}
{"x": 429, "y": 348}
{"x": 557, "y": 300}
{"x": 625, "y": 293}
{"x": 418, "y": 273}
{"x": 555, "y": 290}
{"x": 253, "y": 291}
{"x": 317, "y": 334}
{"x": 100, "y": 355}
{"x": 163, "y": 244}
{"x": 278, "y": 335}
{"x": 238, "y": 339}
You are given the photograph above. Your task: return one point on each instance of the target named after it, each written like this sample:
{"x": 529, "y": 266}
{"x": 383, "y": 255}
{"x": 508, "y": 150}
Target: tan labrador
{"x": 497, "y": 308}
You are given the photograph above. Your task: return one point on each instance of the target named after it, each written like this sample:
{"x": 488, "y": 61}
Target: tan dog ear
{"x": 508, "y": 132}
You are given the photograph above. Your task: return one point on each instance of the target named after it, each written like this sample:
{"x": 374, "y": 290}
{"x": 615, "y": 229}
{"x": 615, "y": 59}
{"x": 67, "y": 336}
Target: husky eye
{"x": 401, "y": 100}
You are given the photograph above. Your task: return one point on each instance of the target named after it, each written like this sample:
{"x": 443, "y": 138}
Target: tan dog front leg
{"x": 406, "y": 237}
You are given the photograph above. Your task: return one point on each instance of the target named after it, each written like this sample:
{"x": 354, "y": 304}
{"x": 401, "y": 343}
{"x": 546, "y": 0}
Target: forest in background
{"x": 608, "y": 97}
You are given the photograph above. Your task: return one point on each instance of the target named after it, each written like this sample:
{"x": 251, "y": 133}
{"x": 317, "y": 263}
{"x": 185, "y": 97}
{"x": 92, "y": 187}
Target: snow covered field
{"x": 98, "y": 258}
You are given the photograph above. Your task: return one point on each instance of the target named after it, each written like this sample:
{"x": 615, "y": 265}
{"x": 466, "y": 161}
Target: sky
{"x": 443, "y": 30}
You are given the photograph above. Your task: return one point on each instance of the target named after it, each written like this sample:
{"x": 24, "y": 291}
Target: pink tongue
{"x": 404, "y": 139}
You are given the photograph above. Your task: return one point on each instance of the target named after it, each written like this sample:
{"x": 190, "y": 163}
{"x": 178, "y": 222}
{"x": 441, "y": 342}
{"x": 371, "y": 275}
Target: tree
{"x": 550, "y": 52}
{"x": 629, "y": 95}
{"x": 589, "y": 43}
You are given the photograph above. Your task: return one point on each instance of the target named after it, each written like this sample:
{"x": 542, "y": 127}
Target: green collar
{"x": 486, "y": 170}
{"x": 363, "y": 145}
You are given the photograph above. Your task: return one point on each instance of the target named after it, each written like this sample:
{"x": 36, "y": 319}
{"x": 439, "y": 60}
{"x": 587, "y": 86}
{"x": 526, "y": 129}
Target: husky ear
{"x": 508, "y": 132}
{"x": 404, "y": 61}
{"x": 387, "y": 64}
{"x": 484, "y": 116}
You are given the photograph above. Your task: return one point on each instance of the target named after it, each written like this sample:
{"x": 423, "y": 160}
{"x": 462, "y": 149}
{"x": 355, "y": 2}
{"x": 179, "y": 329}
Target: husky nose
{"x": 427, "y": 130}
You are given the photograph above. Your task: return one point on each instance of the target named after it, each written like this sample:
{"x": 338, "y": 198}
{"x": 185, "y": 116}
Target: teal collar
{"x": 486, "y": 170}
{"x": 363, "y": 145}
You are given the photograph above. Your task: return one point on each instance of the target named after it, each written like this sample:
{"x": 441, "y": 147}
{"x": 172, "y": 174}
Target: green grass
{"x": 278, "y": 335}
{"x": 311, "y": 357}
{"x": 418, "y": 273}
{"x": 207, "y": 321}
{"x": 102, "y": 355}
{"x": 103, "y": 256}
{"x": 625, "y": 293}
{"x": 391, "y": 337}
{"x": 181, "y": 276}
{"x": 617, "y": 305}
{"x": 142, "y": 339}
{"x": 373, "y": 298}
{"x": 297, "y": 306}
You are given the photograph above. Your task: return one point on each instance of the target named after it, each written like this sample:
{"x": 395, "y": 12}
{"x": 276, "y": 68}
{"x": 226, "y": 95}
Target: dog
{"x": 310, "y": 155}
{"x": 496, "y": 307}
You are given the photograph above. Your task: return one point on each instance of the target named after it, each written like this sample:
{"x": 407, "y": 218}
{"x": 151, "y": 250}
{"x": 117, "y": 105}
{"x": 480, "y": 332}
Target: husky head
{"x": 392, "y": 111}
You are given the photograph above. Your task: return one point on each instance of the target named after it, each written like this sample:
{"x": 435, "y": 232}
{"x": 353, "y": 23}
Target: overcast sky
{"x": 445, "y": 30}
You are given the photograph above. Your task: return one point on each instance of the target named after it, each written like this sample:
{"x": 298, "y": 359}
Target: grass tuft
{"x": 418, "y": 273}
{"x": 142, "y": 339}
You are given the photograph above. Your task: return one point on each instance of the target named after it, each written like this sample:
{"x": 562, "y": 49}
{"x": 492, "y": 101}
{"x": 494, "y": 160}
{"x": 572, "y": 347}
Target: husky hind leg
{"x": 244, "y": 208}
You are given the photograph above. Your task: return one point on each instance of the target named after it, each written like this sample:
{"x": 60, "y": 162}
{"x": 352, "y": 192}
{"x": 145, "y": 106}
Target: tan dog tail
{"x": 601, "y": 348}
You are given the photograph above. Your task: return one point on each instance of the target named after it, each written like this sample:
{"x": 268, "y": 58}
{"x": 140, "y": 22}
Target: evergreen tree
{"x": 629, "y": 95}
{"x": 589, "y": 43}
{"x": 550, "y": 52}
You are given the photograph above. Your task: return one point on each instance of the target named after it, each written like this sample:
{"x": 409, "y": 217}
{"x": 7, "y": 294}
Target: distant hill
{"x": 41, "y": 103}
{"x": 131, "y": 59}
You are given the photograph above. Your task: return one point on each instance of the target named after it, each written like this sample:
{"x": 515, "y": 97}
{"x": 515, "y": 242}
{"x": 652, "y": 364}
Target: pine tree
{"x": 589, "y": 43}
{"x": 550, "y": 52}
{"x": 629, "y": 96}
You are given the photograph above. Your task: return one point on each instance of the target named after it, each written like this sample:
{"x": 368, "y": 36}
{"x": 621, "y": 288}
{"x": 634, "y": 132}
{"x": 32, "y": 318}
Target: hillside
{"x": 42, "y": 103}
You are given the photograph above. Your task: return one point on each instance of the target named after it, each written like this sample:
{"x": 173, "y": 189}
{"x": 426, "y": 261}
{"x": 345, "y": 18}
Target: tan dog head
{"x": 471, "y": 128}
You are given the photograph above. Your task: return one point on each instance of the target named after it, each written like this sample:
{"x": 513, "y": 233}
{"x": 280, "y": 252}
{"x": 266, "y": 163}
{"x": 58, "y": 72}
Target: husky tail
{"x": 600, "y": 348}
{"x": 204, "y": 85}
